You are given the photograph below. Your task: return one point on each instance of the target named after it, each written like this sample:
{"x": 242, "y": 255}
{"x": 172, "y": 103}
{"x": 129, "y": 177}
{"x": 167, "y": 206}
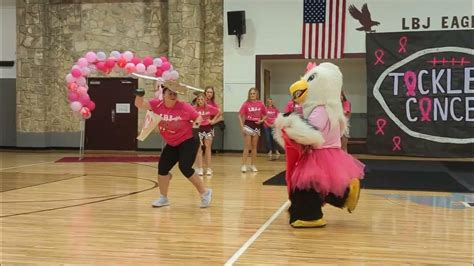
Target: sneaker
{"x": 161, "y": 202}
{"x": 208, "y": 171}
{"x": 199, "y": 171}
{"x": 253, "y": 168}
{"x": 206, "y": 198}
{"x": 270, "y": 154}
{"x": 277, "y": 152}
{"x": 243, "y": 168}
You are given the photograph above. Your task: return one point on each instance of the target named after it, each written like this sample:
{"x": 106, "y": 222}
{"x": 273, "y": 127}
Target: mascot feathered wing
{"x": 312, "y": 146}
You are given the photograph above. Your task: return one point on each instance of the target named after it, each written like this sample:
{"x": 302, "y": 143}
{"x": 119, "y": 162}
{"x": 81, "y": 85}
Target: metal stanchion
{"x": 82, "y": 125}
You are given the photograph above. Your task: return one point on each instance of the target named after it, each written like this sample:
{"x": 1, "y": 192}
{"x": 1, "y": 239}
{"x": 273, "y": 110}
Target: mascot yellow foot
{"x": 308, "y": 224}
{"x": 354, "y": 193}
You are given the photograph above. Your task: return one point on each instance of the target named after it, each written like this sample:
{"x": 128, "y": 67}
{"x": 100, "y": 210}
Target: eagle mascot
{"x": 318, "y": 171}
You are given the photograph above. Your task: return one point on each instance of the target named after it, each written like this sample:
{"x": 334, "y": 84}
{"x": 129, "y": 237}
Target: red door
{"x": 113, "y": 125}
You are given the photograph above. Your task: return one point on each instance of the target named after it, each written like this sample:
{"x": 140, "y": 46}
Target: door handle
{"x": 113, "y": 116}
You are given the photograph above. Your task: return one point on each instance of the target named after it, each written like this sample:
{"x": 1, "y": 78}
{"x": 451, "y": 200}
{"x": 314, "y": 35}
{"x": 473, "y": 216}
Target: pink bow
{"x": 310, "y": 66}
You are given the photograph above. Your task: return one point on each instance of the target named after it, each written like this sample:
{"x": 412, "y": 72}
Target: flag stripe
{"x": 330, "y": 29}
{"x": 343, "y": 24}
{"x": 323, "y": 29}
{"x": 336, "y": 53}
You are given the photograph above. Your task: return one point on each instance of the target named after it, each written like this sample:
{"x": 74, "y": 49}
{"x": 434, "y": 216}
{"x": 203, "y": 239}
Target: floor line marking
{"x": 256, "y": 235}
{"x": 26, "y": 165}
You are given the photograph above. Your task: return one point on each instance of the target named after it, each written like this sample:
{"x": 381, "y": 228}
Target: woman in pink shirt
{"x": 210, "y": 96}
{"x": 251, "y": 116}
{"x": 346, "y": 107}
{"x": 206, "y": 133}
{"x": 293, "y": 106}
{"x": 176, "y": 127}
{"x": 272, "y": 113}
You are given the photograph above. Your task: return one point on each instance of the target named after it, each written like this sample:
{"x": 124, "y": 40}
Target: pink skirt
{"x": 326, "y": 171}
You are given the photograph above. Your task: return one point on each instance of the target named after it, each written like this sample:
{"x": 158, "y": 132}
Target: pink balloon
{"x": 84, "y": 99}
{"x": 164, "y": 59}
{"x": 82, "y": 90}
{"x": 147, "y": 60}
{"x": 159, "y": 72}
{"x": 76, "y": 73}
{"x": 130, "y": 68}
{"x": 82, "y": 62}
{"x": 91, "y": 105}
{"x": 85, "y": 112}
{"x": 136, "y": 60}
{"x": 165, "y": 66}
{"x": 72, "y": 86}
{"x": 140, "y": 68}
{"x": 81, "y": 81}
{"x": 100, "y": 66}
{"x": 110, "y": 63}
{"x": 76, "y": 106}
{"x": 91, "y": 57}
{"x": 72, "y": 96}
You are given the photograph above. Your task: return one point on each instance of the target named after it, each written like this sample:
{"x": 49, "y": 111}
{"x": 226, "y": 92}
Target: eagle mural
{"x": 363, "y": 16}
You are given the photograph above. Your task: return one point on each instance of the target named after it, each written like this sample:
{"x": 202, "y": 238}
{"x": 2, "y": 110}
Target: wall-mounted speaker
{"x": 236, "y": 22}
{"x": 7, "y": 63}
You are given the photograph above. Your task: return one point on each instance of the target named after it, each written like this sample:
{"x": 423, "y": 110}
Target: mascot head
{"x": 321, "y": 85}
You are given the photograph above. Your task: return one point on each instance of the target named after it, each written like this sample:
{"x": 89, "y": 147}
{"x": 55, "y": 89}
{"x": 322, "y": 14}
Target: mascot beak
{"x": 299, "y": 90}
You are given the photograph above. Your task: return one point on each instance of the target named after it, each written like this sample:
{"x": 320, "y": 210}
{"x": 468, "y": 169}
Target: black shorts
{"x": 251, "y": 128}
{"x": 206, "y": 132}
{"x": 184, "y": 153}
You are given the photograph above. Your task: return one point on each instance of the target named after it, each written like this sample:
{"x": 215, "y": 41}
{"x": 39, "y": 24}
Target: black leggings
{"x": 306, "y": 204}
{"x": 184, "y": 153}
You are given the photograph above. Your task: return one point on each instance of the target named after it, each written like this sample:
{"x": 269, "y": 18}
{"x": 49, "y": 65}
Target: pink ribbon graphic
{"x": 410, "y": 82}
{"x": 403, "y": 42}
{"x": 380, "y": 125}
{"x": 425, "y": 112}
{"x": 379, "y": 55}
{"x": 396, "y": 143}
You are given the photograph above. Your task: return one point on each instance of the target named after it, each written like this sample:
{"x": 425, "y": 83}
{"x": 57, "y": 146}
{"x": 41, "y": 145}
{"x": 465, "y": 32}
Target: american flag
{"x": 323, "y": 28}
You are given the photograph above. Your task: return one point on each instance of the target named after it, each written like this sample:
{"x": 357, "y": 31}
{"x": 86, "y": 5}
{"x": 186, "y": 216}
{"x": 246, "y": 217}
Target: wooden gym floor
{"x": 100, "y": 213}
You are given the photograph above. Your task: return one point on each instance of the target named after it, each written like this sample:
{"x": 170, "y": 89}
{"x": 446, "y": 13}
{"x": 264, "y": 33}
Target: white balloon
{"x": 101, "y": 56}
{"x": 85, "y": 71}
{"x": 127, "y": 55}
{"x": 81, "y": 81}
{"x": 70, "y": 78}
{"x": 115, "y": 54}
{"x": 151, "y": 69}
{"x": 166, "y": 75}
{"x": 174, "y": 74}
{"x": 157, "y": 62}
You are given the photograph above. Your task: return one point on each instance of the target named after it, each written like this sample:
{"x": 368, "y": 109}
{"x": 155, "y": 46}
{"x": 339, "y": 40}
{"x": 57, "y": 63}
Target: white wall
{"x": 8, "y": 37}
{"x": 274, "y": 27}
{"x": 270, "y": 25}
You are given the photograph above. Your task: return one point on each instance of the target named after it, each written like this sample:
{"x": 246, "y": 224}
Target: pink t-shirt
{"x": 206, "y": 113}
{"x": 213, "y": 104}
{"x": 176, "y": 124}
{"x": 331, "y": 134}
{"x": 293, "y": 106}
{"x": 253, "y": 111}
{"x": 272, "y": 113}
{"x": 346, "y": 106}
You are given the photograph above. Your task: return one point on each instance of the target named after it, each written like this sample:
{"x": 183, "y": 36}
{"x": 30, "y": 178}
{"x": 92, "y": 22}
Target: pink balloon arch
{"x": 126, "y": 62}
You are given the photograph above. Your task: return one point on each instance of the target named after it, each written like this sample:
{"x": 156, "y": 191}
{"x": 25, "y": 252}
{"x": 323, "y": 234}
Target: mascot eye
{"x": 311, "y": 77}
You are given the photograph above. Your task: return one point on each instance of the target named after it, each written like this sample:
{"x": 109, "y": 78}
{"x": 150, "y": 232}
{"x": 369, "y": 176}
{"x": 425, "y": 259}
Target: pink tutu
{"x": 327, "y": 170}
